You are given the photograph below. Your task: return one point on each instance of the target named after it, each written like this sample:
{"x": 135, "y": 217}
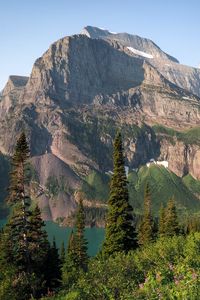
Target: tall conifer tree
{"x": 81, "y": 242}
{"x": 76, "y": 258}
{"x": 120, "y": 230}
{"x": 24, "y": 244}
{"x": 171, "y": 220}
{"x": 161, "y": 224}
{"x": 17, "y": 175}
{"x": 62, "y": 253}
{"x": 70, "y": 268}
{"x": 19, "y": 225}
{"x": 53, "y": 267}
{"x": 146, "y": 228}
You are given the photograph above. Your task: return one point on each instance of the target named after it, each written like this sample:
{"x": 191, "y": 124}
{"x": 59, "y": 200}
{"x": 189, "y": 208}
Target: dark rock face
{"x": 14, "y": 83}
{"x": 129, "y": 40}
{"x": 82, "y": 89}
{"x": 76, "y": 69}
{"x": 184, "y": 76}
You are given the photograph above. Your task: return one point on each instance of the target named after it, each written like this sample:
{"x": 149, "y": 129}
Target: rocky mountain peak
{"x": 76, "y": 69}
{"x": 137, "y": 43}
{"x": 14, "y": 82}
{"x": 183, "y": 76}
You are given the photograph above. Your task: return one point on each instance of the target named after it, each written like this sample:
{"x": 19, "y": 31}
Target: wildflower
{"x": 194, "y": 275}
{"x": 158, "y": 277}
{"x": 141, "y": 285}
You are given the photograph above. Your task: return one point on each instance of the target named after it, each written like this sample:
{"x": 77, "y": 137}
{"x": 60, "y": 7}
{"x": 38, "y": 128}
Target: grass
{"x": 189, "y": 137}
{"x": 96, "y": 186}
{"x": 164, "y": 185}
{"x": 192, "y": 184}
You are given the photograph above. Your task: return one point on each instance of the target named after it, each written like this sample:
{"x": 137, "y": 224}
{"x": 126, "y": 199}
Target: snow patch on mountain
{"x": 141, "y": 53}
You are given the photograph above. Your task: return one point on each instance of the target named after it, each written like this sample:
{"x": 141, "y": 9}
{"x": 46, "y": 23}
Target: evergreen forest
{"x": 145, "y": 257}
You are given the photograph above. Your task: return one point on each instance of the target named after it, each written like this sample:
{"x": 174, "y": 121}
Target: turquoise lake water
{"x": 95, "y": 236}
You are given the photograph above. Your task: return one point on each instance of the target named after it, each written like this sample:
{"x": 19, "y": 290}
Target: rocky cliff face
{"x": 76, "y": 69}
{"x": 83, "y": 88}
{"x": 184, "y": 76}
{"x": 128, "y": 40}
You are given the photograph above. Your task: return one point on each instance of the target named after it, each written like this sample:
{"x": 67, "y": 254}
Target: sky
{"x": 28, "y": 27}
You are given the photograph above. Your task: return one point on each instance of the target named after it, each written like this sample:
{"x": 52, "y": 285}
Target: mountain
{"x": 138, "y": 45}
{"x": 184, "y": 76}
{"x": 79, "y": 92}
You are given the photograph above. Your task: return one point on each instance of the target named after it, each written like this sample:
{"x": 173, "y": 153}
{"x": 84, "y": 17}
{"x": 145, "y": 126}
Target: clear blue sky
{"x": 28, "y": 27}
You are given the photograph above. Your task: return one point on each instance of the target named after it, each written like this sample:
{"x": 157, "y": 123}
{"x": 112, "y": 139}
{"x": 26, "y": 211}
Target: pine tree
{"x": 16, "y": 238}
{"x": 70, "y": 269}
{"x": 161, "y": 225}
{"x": 76, "y": 259}
{"x": 38, "y": 240}
{"x": 18, "y": 225}
{"x": 53, "y": 267}
{"x": 31, "y": 269}
{"x": 191, "y": 224}
{"x": 62, "y": 253}
{"x": 171, "y": 219}
{"x": 72, "y": 250}
{"x": 24, "y": 243}
{"x": 81, "y": 242}
{"x": 146, "y": 228}
{"x": 120, "y": 231}
{"x": 16, "y": 190}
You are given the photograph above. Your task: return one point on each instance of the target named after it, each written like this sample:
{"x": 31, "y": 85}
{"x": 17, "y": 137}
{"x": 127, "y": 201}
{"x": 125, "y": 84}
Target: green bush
{"x": 166, "y": 269}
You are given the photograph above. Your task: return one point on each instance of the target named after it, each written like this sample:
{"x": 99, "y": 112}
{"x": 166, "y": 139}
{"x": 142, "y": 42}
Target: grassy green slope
{"x": 164, "y": 185}
{"x": 96, "y": 186}
{"x": 192, "y": 184}
{"x": 191, "y": 136}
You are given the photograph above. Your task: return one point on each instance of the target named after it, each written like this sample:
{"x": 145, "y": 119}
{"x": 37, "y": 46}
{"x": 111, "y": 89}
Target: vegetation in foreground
{"x": 155, "y": 259}
{"x": 166, "y": 269}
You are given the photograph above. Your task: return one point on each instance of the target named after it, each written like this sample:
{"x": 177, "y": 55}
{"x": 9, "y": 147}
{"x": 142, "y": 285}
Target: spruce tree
{"x": 76, "y": 258}
{"x": 62, "y": 253}
{"x": 70, "y": 269}
{"x": 81, "y": 242}
{"x": 32, "y": 268}
{"x": 161, "y": 225}
{"x": 146, "y": 228}
{"x": 16, "y": 235}
{"x": 120, "y": 232}
{"x": 171, "y": 219}
{"x": 38, "y": 241}
{"x": 24, "y": 243}
{"x": 53, "y": 267}
{"x": 16, "y": 190}
{"x": 72, "y": 249}
{"x": 19, "y": 225}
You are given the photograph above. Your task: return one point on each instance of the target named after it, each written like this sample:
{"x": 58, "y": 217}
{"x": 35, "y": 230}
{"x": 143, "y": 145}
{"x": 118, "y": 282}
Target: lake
{"x": 95, "y": 236}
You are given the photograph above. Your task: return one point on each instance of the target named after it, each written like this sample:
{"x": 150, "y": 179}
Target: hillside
{"x": 163, "y": 183}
